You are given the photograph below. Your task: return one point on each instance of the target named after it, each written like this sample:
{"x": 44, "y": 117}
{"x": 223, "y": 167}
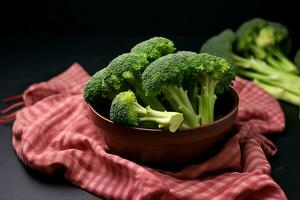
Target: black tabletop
{"x": 33, "y": 58}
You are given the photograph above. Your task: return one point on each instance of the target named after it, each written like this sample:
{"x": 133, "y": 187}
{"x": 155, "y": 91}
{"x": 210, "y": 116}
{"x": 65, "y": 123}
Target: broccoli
{"x": 125, "y": 71}
{"x": 154, "y": 48}
{"x": 267, "y": 41}
{"x": 166, "y": 75}
{"x": 297, "y": 58}
{"x": 279, "y": 93}
{"x": 225, "y": 45}
{"x": 215, "y": 75}
{"x": 127, "y": 111}
{"x": 96, "y": 89}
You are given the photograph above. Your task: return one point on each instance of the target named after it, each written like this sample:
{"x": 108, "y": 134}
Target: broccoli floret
{"x": 266, "y": 40}
{"x": 96, "y": 89}
{"x": 125, "y": 71}
{"x": 223, "y": 45}
{"x": 154, "y": 48}
{"x": 215, "y": 75}
{"x": 127, "y": 111}
{"x": 246, "y": 37}
{"x": 166, "y": 75}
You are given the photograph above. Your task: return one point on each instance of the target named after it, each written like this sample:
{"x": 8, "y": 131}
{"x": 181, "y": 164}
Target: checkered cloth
{"x": 53, "y": 133}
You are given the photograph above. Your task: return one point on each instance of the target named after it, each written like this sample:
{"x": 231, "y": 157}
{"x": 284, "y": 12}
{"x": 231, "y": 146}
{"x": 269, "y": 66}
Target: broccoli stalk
{"x": 166, "y": 75}
{"x": 262, "y": 67}
{"x": 127, "y": 111}
{"x": 207, "y": 99}
{"x": 215, "y": 76}
{"x": 272, "y": 80}
{"x": 179, "y": 101}
{"x": 284, "y": 63}
{"x": 279, "y": 93}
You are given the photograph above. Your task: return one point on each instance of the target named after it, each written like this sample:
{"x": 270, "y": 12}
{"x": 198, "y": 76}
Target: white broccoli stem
{"x": 167, "y": 120}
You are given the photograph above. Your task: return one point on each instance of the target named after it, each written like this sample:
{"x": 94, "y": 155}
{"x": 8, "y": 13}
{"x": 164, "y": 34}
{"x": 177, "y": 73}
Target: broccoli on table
{"x": 225, "y": 45}
{"x": 154, "y": 48}
{"x": 127, "y": 111}
{"x": 166, "y": 75}
{"x": 265, "y": 40}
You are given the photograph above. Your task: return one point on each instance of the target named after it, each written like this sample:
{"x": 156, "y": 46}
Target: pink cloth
{"x": 53, "y": 133}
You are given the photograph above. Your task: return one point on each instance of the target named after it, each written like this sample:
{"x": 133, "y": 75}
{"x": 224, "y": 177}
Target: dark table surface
{"x": 28, "y": 59}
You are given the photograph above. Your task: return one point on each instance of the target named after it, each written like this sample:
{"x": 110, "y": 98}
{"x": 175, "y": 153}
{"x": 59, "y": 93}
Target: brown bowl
{"x": 155, "y": 146}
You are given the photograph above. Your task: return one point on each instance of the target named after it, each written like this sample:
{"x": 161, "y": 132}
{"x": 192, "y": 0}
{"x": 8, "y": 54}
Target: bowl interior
{"x": 225, "y": 104}
{"x": 158, "y": 147}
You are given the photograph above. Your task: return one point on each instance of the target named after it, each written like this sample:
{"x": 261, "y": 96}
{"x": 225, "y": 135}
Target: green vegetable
{"x": 279, "y": 93}
{"x": 225, "y": 45}
{"x": 96, "y": 89}
{"x": 215, "y": 75}
{"x": 166, "y": 75}
{"x": 297, "y": 59}
{"x": 151, "y": 79}
{"x": 127, "y": 111}
{"x": 125, "y": 71}
{"x": 265, "y": 40}
{"x": 154, "y": 48}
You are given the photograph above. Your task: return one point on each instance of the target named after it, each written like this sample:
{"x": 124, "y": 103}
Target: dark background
{"x": 141, "y": 17}
{"x": 41, "y": 39}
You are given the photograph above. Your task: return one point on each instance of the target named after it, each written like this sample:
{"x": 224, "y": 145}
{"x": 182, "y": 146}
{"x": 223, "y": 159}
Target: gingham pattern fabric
{"x": 53, "y": 133}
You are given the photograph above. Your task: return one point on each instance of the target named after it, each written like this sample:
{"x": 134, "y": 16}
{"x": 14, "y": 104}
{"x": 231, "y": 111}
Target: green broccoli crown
{"x": 96, "y": 89}
{"x": 123, "y": 109}
{"x": 247, "y": 33}
{"x": 272, "y": 34}
{"x": 154, "y": 48}
{"x": 261, "y": 33}
{"x": 165, "y": 71}
{"x": 220, "y": 45}
{"x": 126, "y": 67}
{"x": 218, "y": 69}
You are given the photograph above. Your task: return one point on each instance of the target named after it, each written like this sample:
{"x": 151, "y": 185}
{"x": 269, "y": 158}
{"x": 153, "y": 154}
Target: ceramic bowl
{"x": 155, "y": 146}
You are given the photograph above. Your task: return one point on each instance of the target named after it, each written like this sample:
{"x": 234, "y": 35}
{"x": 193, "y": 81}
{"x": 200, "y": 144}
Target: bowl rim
{"x": 234, "y": 109}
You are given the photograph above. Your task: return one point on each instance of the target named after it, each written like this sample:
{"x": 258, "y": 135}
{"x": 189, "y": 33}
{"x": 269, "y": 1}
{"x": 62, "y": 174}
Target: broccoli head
{"x": 125, "y": 71}
{"x": 215, "y": 75}
{"x": 265, "y": 40}
{"x": 246, "y": 37}
{"x": 97, "y": 89}
{"x": 166, "y": 75}
{"x": 154, "y": 48}
{"x": 127, "y": 111}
